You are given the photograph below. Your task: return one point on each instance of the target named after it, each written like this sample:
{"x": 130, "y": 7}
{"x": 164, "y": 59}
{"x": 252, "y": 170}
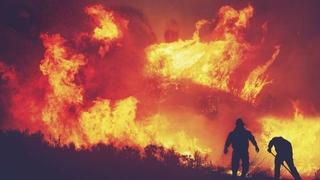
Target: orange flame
{"x": 68, "y": 121}
{"x": 60, "y": 67}
{"x": 304, "y": 135}
{"x": 257, "y": 80}
{"x": 210, "y": 63}
{"x": 66, "y": 117}
{"x": 107, "y": 28}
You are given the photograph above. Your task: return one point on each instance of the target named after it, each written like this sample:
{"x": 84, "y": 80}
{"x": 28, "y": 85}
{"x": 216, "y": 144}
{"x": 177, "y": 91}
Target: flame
{"x": 60, "y": 67}
{"x": 65, "y": 115}
{"x": 257, "y": 80}
{"x": 101, "y": 123}
{"x": 210, "y": 63}
{"x": 107, "y": 26}
{"x": 233, "y": 21}
{"x": 104, "y": 124}
{"x": 303, "y": 133}
{"x": 69, "y": 119}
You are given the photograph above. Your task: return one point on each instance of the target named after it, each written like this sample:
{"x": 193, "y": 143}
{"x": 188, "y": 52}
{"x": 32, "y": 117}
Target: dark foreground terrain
{"x": 24, "y": 157}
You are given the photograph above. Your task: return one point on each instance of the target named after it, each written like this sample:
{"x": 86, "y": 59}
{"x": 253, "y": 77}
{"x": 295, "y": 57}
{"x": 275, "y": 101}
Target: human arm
{"x": 227, "y": 143}
{"x": 270, "y": 145}
{"x": 253, "y": 141}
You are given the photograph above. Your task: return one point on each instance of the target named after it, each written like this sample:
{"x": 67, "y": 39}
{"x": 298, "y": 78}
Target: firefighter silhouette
{"x": 239, "y": 139}
{"x": 284, "y": 153}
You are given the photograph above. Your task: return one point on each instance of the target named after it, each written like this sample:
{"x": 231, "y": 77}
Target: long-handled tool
{"x": 282, "y": 164}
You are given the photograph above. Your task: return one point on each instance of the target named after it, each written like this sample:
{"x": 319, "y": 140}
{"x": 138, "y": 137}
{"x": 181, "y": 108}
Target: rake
{"x": 282, "y": 164}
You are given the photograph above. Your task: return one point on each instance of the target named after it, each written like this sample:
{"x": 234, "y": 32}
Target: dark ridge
{"x": 25, "y": 156}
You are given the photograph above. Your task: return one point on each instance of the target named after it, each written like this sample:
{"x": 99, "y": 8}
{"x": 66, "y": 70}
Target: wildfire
{"x": 257, "y": 80}
{"x": 68, "y": 121}
{"x": 108, "y": 28}
{"x": 105, "y": 124}
{"x": 65, "y": 114}
{"x": 60, "y": 67}
{"x": 210, "y": 63}
{"x": 303, "y": 133}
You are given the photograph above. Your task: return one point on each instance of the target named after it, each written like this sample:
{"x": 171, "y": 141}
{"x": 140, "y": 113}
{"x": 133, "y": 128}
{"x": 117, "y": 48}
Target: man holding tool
{"x": 284, "y": 153}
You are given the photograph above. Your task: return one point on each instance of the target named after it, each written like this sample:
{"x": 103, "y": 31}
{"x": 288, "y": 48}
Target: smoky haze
{"x": 292, "y": 25}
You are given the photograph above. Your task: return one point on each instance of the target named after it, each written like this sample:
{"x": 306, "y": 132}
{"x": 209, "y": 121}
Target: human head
{"x": 239, "y": 122}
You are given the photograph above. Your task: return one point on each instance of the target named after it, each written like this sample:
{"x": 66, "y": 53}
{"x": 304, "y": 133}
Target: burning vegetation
{"x": 212, "y": 63}
{"x": 105, "y": 84}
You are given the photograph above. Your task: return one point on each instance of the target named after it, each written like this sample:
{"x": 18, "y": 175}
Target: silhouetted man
{"x": 239, "y": 138}
{"x": 284, "y": 153}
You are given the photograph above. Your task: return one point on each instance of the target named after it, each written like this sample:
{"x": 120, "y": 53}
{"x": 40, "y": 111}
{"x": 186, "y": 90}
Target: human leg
{"x": 235, "y": 163}
{"x": 277, "y": 164}
{"x": 245, "y": 164}
{"x": 293, "y": 169}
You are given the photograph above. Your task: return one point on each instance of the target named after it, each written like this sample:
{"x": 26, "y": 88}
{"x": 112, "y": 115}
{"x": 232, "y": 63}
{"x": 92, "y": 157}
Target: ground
{"x": 29, "y": 157}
